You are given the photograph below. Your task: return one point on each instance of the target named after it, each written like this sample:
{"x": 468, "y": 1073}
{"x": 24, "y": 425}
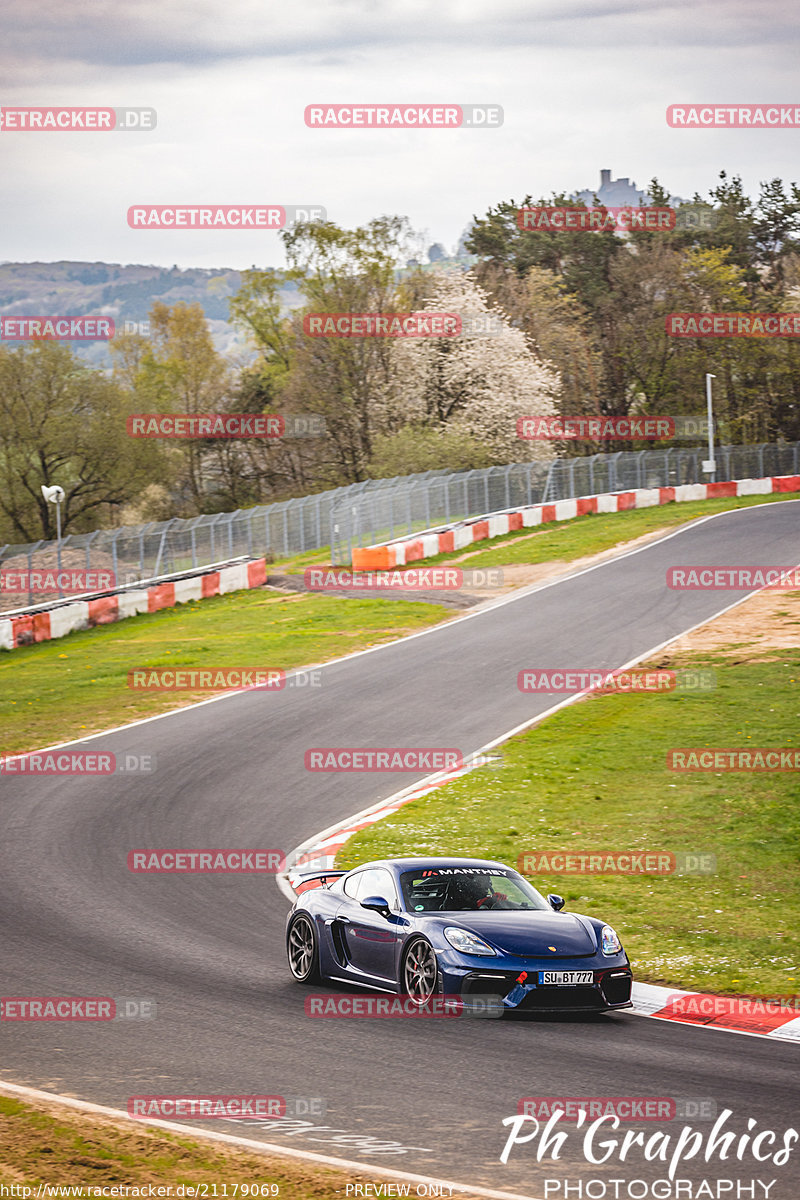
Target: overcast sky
{"x": 584, "y": 85}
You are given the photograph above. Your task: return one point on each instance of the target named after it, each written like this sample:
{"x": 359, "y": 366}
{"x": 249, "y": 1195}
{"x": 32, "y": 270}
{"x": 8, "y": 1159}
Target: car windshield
{"x": 468, "y": 889}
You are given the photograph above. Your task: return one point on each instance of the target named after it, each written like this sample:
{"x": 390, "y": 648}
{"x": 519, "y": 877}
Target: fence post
{"x": 161, "y": 545}
{"x": 30, "y": 572}
{"x": 91, "y": 538}
{"x": 640, "y": 464}
{"x": 334, "y": 537}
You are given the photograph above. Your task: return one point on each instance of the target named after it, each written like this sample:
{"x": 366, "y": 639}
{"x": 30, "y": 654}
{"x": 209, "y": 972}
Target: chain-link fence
{"x": 413, "y": 505}
{"x": 374, "y": 511}
{"x": 134, "y": 553}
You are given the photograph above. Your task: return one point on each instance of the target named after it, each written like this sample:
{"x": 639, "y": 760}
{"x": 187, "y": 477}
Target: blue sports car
{"x": 463, "y": 927}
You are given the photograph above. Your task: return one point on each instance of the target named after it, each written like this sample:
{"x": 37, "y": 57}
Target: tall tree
{"x": 179, "y": 370}
{"x": 63, "y": 423}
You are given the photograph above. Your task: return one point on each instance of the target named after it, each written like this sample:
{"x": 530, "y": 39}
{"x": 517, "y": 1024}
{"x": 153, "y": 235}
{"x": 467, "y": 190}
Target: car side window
{"x": 377, "y": 882}
{"x": 350, "y": 885}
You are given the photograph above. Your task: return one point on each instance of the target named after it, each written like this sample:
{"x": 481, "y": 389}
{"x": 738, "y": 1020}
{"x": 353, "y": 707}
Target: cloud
{"x": 103, "y": 33}
{"x": 584, "y": 84}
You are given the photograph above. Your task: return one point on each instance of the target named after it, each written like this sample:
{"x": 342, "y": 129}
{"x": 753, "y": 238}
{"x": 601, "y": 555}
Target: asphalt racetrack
{"x": 422, "y": 1096}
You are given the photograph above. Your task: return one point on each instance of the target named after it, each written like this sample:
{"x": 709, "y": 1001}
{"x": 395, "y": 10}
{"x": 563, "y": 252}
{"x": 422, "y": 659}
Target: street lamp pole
{"x": 54, "y": 495}
{"x": 710, "y": 466}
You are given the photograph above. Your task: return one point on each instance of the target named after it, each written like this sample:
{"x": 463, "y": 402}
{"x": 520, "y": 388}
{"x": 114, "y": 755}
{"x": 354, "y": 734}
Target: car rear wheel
{"x": 420, "y": 972}
{"x": 302, "y": 949}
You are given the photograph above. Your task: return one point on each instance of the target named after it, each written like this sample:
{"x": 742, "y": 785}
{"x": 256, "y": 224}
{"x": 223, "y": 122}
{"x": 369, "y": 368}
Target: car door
{"x": 370, "y": 939}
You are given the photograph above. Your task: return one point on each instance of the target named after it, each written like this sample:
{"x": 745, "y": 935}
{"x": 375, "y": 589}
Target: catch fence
{"x": 375, "y": 511}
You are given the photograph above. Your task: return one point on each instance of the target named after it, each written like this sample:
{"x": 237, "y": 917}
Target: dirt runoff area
{"x": 765, "y": 622}
{"x": 45, "y": 1143}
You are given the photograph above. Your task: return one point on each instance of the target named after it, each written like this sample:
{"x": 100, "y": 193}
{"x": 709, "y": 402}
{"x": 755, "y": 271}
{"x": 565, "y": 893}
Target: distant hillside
{"x": 125, "y": 293}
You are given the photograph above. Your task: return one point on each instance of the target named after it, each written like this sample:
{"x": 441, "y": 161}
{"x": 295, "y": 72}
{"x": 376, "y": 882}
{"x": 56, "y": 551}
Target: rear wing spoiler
{"x": 303, "y": 881}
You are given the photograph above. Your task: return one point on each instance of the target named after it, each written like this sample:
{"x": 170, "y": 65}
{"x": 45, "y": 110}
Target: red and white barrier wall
{"x": 455, "y": 537}
{"x": 61, "y": 619}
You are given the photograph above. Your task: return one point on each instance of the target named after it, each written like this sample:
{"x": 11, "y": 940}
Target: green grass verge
{"x": 47, "y": 1144}
{"x": 78, "y": 685}
{"x": 594, "y": 776}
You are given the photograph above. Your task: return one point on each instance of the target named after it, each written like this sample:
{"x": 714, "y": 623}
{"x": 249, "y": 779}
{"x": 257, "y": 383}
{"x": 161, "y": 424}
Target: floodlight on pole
{"x": 54, "y": 495}
{"x": 709, "y": 466}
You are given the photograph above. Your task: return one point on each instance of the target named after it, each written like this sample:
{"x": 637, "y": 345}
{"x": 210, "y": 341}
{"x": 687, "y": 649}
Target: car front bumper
{"x": 610, "y": 987}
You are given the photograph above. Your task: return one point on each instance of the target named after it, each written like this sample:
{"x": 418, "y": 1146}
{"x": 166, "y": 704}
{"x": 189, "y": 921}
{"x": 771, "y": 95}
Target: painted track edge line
{"x": 774, "y": 1035}
{"x": 86, "y": 1106}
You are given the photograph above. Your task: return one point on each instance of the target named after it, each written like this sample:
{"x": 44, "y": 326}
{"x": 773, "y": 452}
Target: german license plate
{"x": 565, "y": 978}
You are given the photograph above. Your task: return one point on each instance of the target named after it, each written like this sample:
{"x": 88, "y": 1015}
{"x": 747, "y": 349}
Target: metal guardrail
{"x": 119, "y": 588}
{"x": 379, "y": 510}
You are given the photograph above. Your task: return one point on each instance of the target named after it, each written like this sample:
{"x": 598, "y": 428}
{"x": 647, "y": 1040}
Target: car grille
{"x": 488, "y": 983}
{"x": 614, "y": 987}
{"x": 550, "y": 998}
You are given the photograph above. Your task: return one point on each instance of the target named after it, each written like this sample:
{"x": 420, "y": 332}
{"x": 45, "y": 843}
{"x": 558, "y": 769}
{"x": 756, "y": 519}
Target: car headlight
{"x": 466, "y": 942}
{"x": 609, "y": 941}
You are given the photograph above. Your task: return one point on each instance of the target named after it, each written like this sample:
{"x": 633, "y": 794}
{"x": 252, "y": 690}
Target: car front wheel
{"x": 302, "y": 949}
{"x": 420, "y": 972}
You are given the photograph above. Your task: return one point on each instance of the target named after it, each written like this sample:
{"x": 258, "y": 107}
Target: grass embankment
{"x": 594, "y": 777}
{"x": 78, "y": 685}
{"x": 49, "y": 1144}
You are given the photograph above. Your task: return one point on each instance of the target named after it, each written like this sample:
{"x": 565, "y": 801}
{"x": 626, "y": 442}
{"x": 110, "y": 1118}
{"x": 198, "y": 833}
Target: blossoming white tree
{"x": 478, "y": 383}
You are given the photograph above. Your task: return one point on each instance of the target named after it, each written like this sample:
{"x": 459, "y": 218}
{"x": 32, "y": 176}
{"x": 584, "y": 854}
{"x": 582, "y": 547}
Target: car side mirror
{"x": 376, "y": 904}
{"x": 556, "y": 902}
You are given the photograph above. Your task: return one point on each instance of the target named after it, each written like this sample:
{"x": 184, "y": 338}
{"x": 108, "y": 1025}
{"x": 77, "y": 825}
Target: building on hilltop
{"x": 618, "y": 193}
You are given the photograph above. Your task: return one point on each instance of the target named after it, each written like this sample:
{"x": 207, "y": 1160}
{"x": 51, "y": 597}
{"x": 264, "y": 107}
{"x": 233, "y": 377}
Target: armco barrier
{"x": 60, "y": 618}
{"x": 447, "y": 539}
